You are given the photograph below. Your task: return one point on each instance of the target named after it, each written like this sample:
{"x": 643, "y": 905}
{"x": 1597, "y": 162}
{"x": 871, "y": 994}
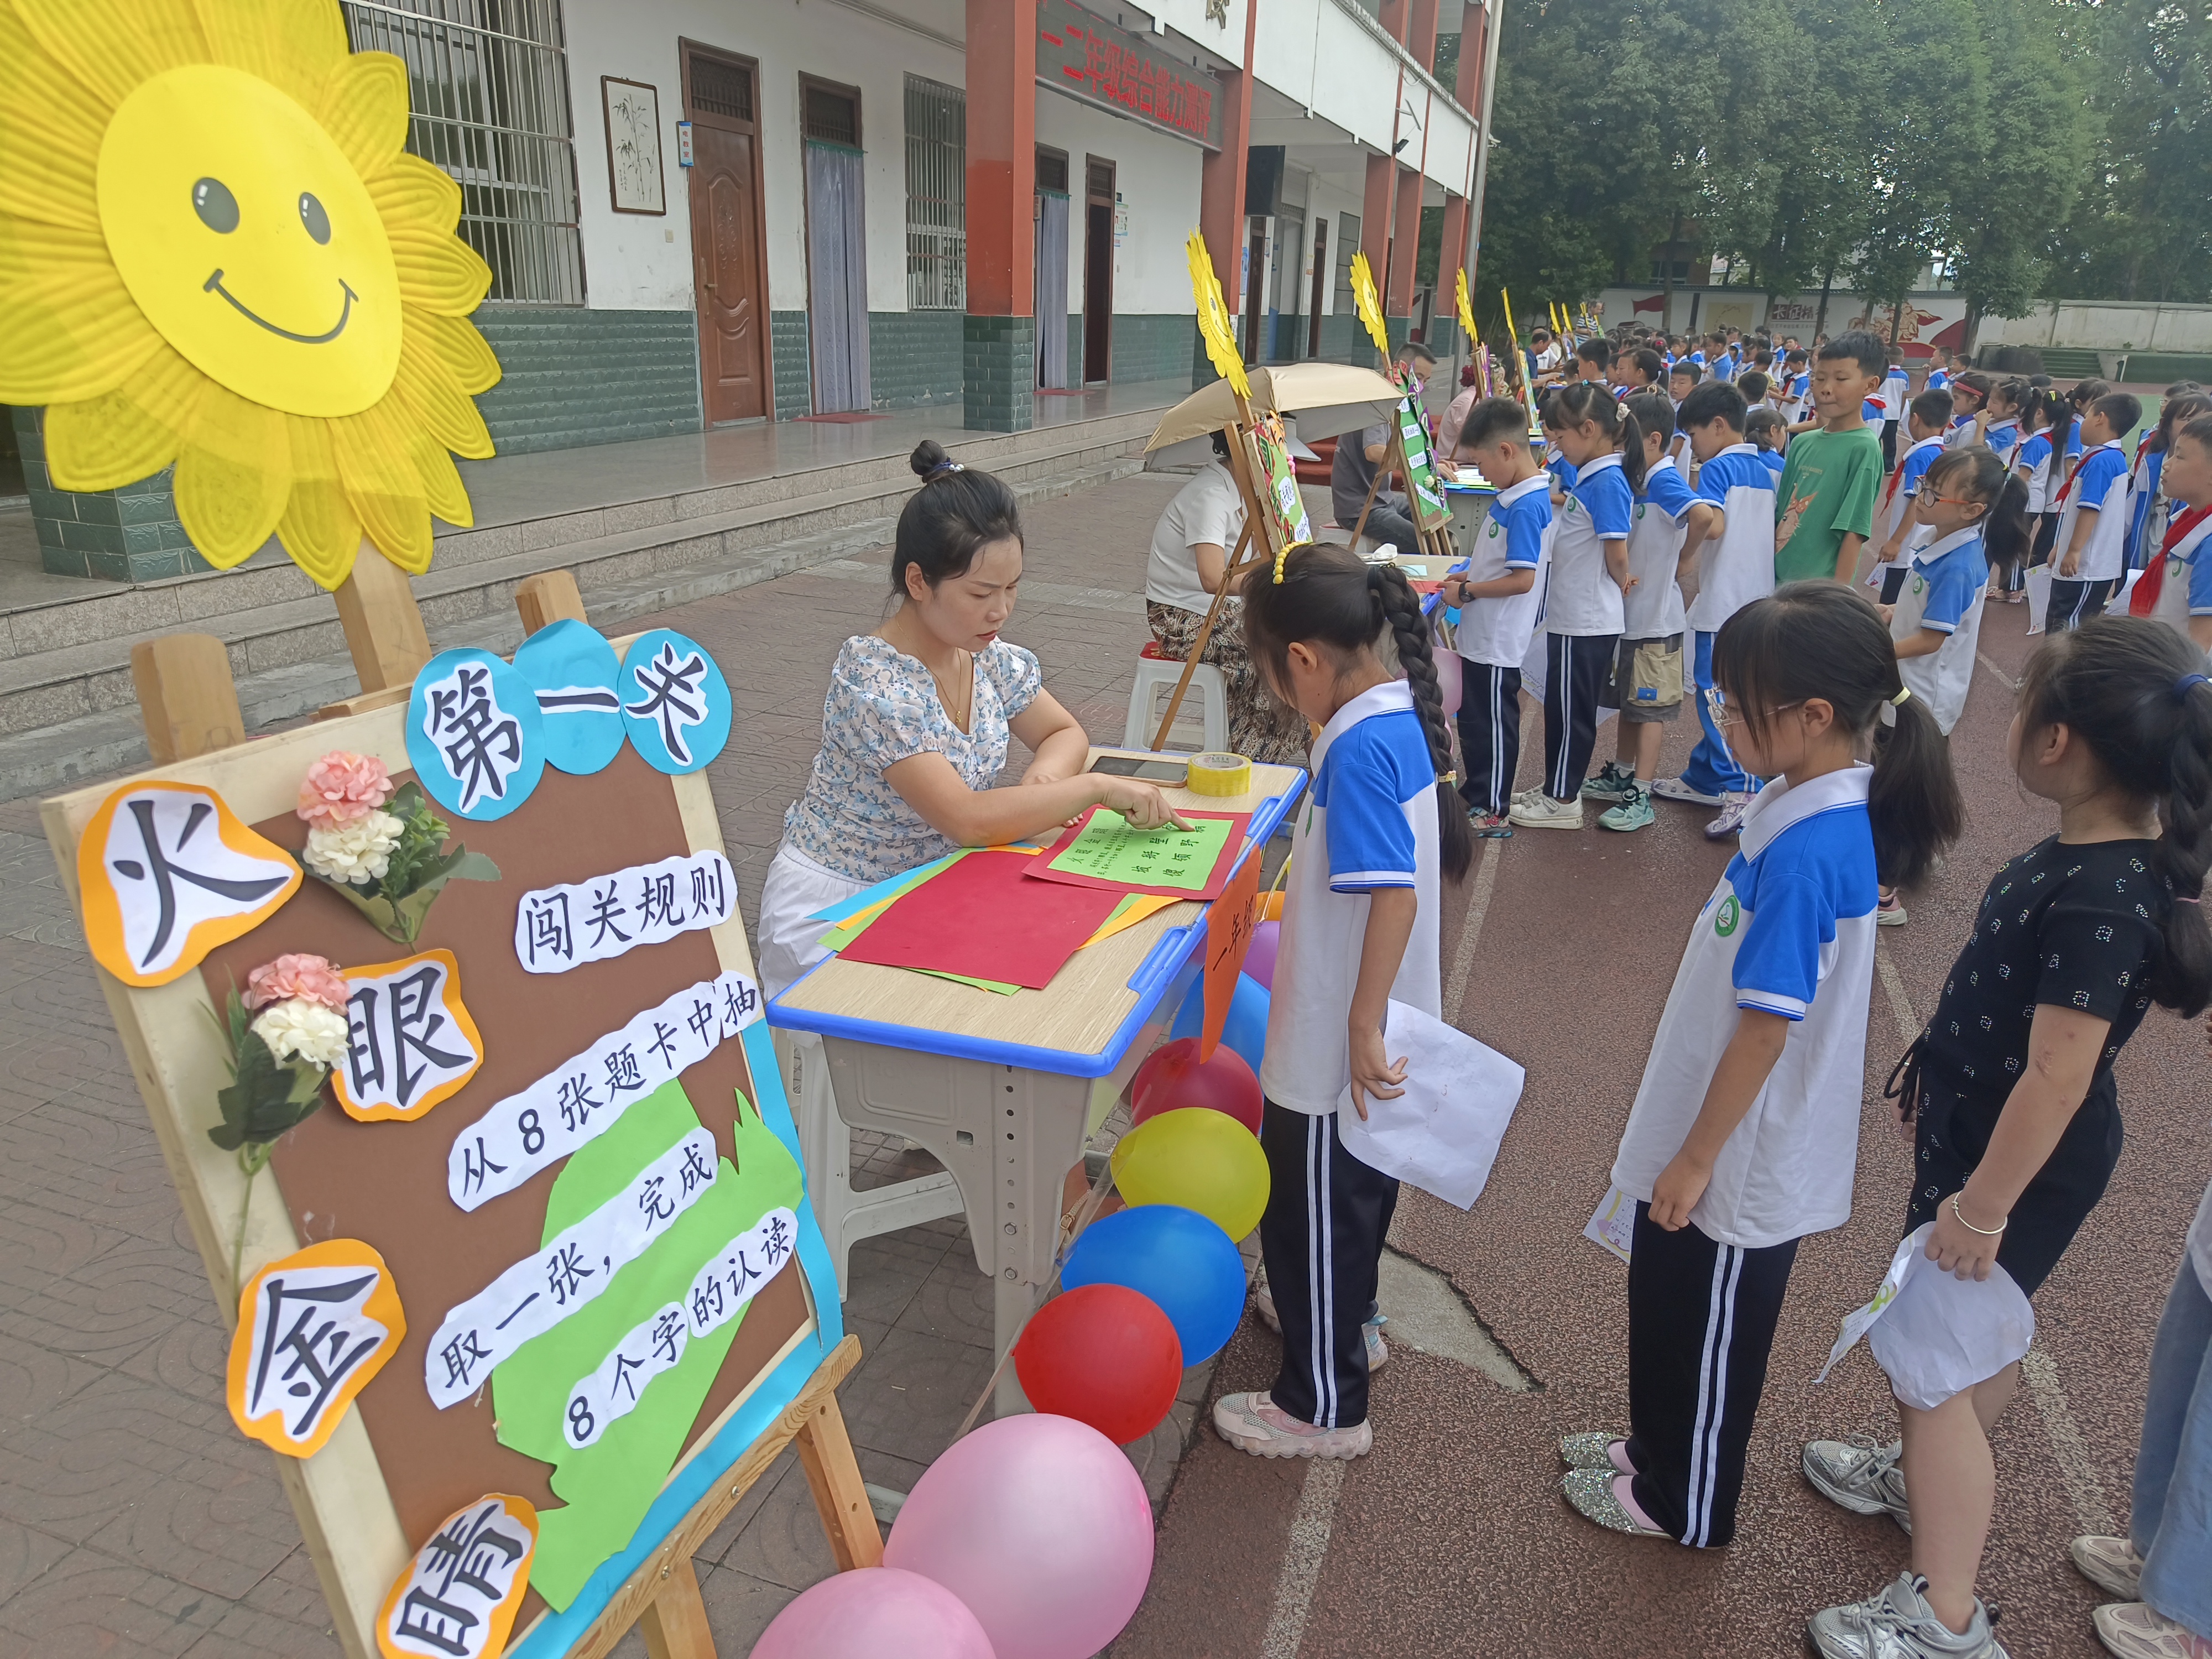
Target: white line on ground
{"x": 1470, "y": 933}
{"x": 1900, "y": 1005}
{"x": 2004, "y": 679}
{"x": 1310, "y": 1529}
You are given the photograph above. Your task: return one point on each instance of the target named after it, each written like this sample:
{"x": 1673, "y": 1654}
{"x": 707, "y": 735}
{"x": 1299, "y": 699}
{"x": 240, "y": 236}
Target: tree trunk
{"x": 1667, "y": 261}
{"x": 1896, "y": 319}
{"x": 1973, "y": 326}
{"x": 1821, "y": 317}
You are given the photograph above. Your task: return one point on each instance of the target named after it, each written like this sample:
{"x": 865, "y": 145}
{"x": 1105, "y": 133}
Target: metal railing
{"x": 936, "y": 196}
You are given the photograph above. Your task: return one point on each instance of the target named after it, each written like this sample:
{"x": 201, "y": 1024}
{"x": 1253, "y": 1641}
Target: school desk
{"x": 1004, "y": 1090}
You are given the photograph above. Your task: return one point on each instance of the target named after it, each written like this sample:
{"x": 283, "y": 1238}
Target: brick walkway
{"x": 133, "y": 1517}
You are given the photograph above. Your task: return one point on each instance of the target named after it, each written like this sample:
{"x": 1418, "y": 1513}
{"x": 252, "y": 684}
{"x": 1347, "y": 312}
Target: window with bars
{"x": 487, "y": 97}
{"x": 936, "y": 197}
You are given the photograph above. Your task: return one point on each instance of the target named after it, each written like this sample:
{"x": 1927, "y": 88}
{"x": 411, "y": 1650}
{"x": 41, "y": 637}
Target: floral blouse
{"x": 883, "y": 707}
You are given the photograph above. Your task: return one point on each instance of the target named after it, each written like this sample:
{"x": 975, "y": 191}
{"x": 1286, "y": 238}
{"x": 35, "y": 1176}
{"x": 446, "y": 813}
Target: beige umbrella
{"x": 1324, "y": 399}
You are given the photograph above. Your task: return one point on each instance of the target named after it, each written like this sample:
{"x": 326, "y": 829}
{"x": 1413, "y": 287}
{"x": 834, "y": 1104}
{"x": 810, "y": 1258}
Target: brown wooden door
{"x": 1098, "y": 271}
{"x": 729, "y": 284}
{"x": 1320, "y": 277}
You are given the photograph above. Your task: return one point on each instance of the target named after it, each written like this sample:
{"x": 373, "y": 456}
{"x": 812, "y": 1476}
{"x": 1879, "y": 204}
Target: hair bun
{"x": 928, "y": 456}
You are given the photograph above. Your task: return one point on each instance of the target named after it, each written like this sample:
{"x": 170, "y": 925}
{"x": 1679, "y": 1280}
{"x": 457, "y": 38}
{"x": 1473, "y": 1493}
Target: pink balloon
{"x": 1260, "y": 955}
{"x": 1041, "y": 1525}
{"x": 870, "y": 1612}
{"x": 1449, "y": 682}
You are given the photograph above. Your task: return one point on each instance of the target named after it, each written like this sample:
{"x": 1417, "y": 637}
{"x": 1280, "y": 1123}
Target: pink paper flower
{"x": 295, "y": 976}
{"x": 342, "y": 786}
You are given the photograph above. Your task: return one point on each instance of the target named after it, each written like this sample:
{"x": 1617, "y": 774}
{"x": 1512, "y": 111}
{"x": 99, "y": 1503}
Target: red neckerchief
{"x": 2067, "y": 489}
{"x": 2144, "y": 599}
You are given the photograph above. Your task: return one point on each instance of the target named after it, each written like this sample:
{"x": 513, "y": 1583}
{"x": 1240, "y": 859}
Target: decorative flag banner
{"x": 578, "y": 1102}
{"x": 1103, "y": 850}
{"x": 409, "y": 1040}
{"x": 474, "y": 735}
{"x": 980, "y": 919}
{"x": 572, "y": 669}
{"x": 557, "y": 928}
{"x": 459, "y": 1596}
{"x": 675, "y": 702}
{"x": 168, "y": 873}
{"x": 538, "y": 1292}
{"x": 312, "y": 1329}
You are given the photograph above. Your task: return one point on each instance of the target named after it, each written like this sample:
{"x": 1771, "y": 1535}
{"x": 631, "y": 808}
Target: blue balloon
{"x": 675, "y": 702}
{"x": 473, "y": 734}
{"x": 1178, "y": 1258}
{"x": 572, "y": 668}
{"x": 1245, "y": 1030}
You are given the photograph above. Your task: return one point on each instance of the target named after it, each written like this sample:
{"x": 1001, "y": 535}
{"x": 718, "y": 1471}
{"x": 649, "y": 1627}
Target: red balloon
{"x": 1104, "y": 1355}
{"x": 1171, "y": 1078}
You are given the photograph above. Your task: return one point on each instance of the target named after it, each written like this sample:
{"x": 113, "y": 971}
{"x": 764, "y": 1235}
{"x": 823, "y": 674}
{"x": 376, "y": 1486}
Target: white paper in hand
{"x": 1442, "y": 1133}
{"x": 1935, "y": 1334}
{"x": 1613, "y": 1223}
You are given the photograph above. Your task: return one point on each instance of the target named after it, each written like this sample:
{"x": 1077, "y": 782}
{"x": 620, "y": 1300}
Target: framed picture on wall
{"x": 633, "y": 113}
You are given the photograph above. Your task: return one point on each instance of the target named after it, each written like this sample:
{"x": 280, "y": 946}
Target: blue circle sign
{"x": 473, "y": 734}
{"x": 572, "y": 669}
{"x": 675, "y": 702}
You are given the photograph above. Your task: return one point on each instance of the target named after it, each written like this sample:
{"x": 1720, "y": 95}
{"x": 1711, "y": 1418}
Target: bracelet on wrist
{"x": 1986, "y": 1232}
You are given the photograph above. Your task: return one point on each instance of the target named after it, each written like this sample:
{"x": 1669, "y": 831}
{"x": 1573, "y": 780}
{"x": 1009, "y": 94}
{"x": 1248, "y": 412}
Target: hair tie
{"x": 2181, "y": 687}
{"x": 1905, "y": 691}
{"x": 1891, "y": 705}
{"x": 942, "y": 470}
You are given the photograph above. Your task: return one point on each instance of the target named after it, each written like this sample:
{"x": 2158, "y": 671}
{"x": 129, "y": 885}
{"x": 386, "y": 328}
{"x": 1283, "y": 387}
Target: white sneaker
{"x": 1733, "y": 807}
{"x": 1253, "y": 1422}
{"x": 1896, "y": 1622}
{"x": 2135, "y": 1630}
{"x": 1864, "y": 1478}
{"x": 2109, "y": 1563}
{"x": 1538, "y": 810}
{"x": 1263, "y": 1304}
{"x": 1675, "y": 789}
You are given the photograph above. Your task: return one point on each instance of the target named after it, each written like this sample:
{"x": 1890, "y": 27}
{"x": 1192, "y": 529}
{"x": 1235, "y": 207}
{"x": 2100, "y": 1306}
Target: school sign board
{"x": 1090, "y": 57}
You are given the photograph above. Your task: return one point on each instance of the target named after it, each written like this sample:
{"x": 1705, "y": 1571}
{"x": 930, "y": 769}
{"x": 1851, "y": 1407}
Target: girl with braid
{"x": 1381, "y": 829}
{"x": 2008, "y": 1097}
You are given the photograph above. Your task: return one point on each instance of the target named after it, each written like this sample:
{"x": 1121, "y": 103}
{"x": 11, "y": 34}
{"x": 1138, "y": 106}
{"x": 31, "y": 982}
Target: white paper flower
{"x": 298, "y": 1029}
{"x": 354, "y": 853}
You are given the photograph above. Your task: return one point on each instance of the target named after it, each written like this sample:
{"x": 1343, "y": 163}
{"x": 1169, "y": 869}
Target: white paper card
{"x": 727, "y": 1282}
{"x": 1936, "y": 1335}
{"x": 1442, "y": 1133}
{"x": 311, "y": 1328}
{"x": 557, "y": 928}
{"x": 540, "y": 1290}
{"x": 1613, "y": 1223}
{"x": 576, "y": 1103}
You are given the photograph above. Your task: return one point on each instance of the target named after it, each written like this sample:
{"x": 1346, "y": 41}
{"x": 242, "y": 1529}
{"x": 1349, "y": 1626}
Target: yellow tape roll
{"x": 1220, "y": 774}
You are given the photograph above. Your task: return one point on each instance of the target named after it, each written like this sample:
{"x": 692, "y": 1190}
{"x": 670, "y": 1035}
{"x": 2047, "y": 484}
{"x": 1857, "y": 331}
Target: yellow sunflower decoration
{"x": 1369, "y": 303}
{"x": 214, "y": 251}
{"x": 1465, "y": 306}
{"x": 1213, "y": 325}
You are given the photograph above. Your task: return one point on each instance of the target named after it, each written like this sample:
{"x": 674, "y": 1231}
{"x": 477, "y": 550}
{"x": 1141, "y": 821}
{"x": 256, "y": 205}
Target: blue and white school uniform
{"x": 1873, "y": 411}
{"x": 1583, "y": 619}
{"x": 1723, "y": 367}
{"x": 1896, "y": 393}
{"x": 1903, "y": 488}
{"x": 1494, "y": 637}
{"x": 1368, "y": 825}
{"x": 2185, "y": 585}
{"x": 2003, "y": 438}
{"x": 1946, "y": 587}
{"x": 2098, "y": 485}
{"x": 2147, "y": 510}
{"x": 1789, "y": 930}
{"x": 1652, "y": 609}
{"x": 1961, "y": 431}
{"x": 1801, "y": 394}
{"x": 2032, "y": 459}
{"x": 1938, "y": 379}
{"x": 1733, "y": 568}
{"x": 1775, "y": 460}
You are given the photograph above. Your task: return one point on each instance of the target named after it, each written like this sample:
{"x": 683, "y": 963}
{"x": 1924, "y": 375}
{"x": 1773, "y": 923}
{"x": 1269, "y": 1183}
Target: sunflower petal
{"x": 364, "y": 108}
{"x": 73, "y": 330}
{"x": 414, "y": 192}
{"x": 438, "y": 271}
{"x": 296, "y": 44}
{"x": 319, "y": 529}
{"x": 443, "y": 491}
{"x": 459, "y": 347}
{"x": 112, "y": 48}
{"x": 126, "y": 434}
{"x": 381, "y": 484}
{"x": 435, "y": 397}
{"x": 233, "y": 475}
{"x": 49, "y": 142}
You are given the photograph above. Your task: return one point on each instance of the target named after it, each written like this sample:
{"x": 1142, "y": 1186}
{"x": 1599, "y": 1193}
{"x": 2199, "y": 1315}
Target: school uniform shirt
{"x": 1800, "y": 390}
{"x": 1723, "y": 368}
{"x": 1938, "y": 379}
{"x": 1897, "y": 497}
{"x": 1789, "y": 930}
{"x": 1206, "y": 509}
{"x": 1582, "y": 597}
{"x": 1962, "y": 431}
{"x": 2003, "y": 437}
{"x": 1517, "y": 535}
{"x": 1873, "y": 411}
{"x": 1652, "y": 609}
{"x": 1773, "y": 459}
{"x": 2185, "y": 585}
{"x": 1896, "y": 393}
{"x": 2034, "y": 456}
{"x": 1946, "y": 591}
{"x": 2146, "y": 507}
{"x": 1737, "y": 566}
{"x": 2099, "y": 485}
{"x": 1369, "y": 823}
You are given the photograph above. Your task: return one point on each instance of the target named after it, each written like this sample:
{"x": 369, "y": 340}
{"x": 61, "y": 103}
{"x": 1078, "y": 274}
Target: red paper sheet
{"x": 980, "y": 918}
{"x": 1225, "y": 860}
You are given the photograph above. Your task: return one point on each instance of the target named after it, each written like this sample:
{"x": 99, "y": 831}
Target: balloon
{"x": 1175, "y": 1256}
{"x": 870, "y": 1612}
{"x": 1259, "y": 959}
{"x": 1041, "y": 1525}
{"x": 1200, "y": 1159}
{"x": 1246, "y": 1029}
{"x": 1172, "y": 1078}
{"x": 1448, "y": 680}
{"x": 1104, "y": 1355}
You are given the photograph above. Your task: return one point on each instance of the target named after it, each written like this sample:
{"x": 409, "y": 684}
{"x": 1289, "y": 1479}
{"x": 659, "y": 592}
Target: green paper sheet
{"x": 1107, "y": 849}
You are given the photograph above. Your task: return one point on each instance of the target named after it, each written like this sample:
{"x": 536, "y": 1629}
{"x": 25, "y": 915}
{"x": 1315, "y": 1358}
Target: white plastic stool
{"x": 1156, "y": 681}
{"x": 826, "y": 1147}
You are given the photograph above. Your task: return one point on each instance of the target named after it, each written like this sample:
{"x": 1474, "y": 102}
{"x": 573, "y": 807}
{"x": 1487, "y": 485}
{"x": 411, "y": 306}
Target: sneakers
{"x": 1896, "y": 1622}
{"x": 2109, "y": 1563}
{"x": 1888, "y": 913}
{"x": 1489, "y": 826}
{"x": 1678, "y": 789}
{"x": 2134, "y": 1630}
{"x": 1252, "y": 1423}
{"x": 1378, "y": 1350}
{"x": 1864, "y": 1478}
{"x": 1733, "y": 807}
{"x": 1534, "y": 810}
{"x": 1613, "y": 782}
{"x": 1591, "y": 1492}
{"x": 1634, "y": 812}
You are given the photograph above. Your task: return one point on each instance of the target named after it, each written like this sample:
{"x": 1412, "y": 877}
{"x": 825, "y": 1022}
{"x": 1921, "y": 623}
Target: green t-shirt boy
{"x": 1830, "y": 480}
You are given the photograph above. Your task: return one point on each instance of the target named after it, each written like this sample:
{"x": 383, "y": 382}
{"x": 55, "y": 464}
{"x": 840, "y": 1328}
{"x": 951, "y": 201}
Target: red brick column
{"x": 1000, "y": 343}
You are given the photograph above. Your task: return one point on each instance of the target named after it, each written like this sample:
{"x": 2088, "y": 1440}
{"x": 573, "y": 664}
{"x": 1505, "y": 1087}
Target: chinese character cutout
{"x": 168, "y": 873}
{"x": 313, "y": 1330}
{"x": 475, "y": 737}
{"x": 572, "y": 669}
{"x": 458, "y": 1598}
{"x": 675, "y": 701}
{"x": 409, "y": 1040}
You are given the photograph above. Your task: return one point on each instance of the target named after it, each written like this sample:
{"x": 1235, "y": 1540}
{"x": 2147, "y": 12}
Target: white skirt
{"x": 790, "y": 931}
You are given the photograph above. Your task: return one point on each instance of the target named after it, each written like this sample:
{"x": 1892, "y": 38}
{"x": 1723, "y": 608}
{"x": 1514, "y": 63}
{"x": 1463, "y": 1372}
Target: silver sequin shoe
{"x": 1896, "y": 1622}
{"x": 1590, "y": 1491}
{"x": 1591, "y": 1449}
{"x": 1866, "y": 1479}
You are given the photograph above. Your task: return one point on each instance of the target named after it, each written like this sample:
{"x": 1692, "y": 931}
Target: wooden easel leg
{"x": 825, "y": 1452}
{"x": 383, "y": 624}
{"x": 547, "y": 598}
{"x": 186, "y": 695}
{"x": 674, "y": 1623}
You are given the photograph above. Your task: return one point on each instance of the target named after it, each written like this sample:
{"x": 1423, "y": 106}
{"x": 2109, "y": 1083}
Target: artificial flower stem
{"x": 251, "y": 1157}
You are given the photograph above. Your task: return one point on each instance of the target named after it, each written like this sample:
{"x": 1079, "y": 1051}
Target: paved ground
{"x": 133, "y": 1520}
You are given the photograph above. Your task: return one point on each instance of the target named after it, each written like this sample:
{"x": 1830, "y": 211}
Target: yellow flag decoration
{"x": 216, "y": 254}
{"x": 1369, "y": 303}
{"x": 1466, "y": 306}
{"x": 1213, "y": 325}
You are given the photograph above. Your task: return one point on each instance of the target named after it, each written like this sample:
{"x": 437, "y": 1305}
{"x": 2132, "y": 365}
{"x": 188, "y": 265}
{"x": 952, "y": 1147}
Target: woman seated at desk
{"x": 1191, "y": 546}
{"x": 914, "y": 729}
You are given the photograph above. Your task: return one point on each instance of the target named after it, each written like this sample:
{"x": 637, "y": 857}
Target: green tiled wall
{"x": 914, "y": 358}
{"x": 124, "y": 535}
{"x": 794, "y": 384}
{"x": 1154, "y": 347}
{"x": 571, "y": 376}
{"x": 998, "y": 362}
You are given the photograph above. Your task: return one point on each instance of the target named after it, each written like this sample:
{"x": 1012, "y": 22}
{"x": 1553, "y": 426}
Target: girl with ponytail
{"x": 1380, "y": 831}
{"x": 1745, "y": 1126}
{"x": 2008, "y": 1094}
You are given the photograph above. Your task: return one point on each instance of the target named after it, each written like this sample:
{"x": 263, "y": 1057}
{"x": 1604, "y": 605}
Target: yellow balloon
{"x": 1203, "y": 1160}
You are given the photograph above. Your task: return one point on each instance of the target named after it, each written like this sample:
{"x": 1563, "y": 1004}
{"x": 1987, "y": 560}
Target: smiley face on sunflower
{"x": 215, "y": 251}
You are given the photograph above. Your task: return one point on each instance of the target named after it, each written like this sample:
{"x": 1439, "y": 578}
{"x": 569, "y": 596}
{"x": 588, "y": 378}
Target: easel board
{"x": 396, "y": 1465}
